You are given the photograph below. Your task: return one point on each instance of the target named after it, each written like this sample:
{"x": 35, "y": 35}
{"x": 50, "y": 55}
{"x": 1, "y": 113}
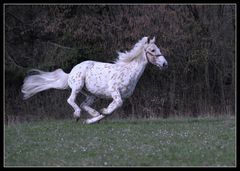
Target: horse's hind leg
{"x": 76, "y": 80}
{"x": 71, "y": 101}
{"x": 86, "y": 106}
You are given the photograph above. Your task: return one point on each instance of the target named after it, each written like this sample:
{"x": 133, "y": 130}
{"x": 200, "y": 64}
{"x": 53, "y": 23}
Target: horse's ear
{"x": 153, "y": 40}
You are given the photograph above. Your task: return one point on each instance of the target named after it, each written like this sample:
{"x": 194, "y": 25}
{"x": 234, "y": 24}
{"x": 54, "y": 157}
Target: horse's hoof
{"x": 77, "y": 119}
{"x": 88, "y": 121}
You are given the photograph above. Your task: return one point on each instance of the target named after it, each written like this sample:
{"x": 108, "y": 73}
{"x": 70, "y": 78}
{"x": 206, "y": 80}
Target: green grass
{"x": 161, "y": 142}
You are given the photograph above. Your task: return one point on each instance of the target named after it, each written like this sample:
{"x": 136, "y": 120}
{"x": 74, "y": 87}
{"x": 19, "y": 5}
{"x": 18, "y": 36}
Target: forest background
{"x": 198, "y": 42}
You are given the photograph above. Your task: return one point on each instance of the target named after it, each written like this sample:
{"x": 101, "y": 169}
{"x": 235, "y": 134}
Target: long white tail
{"x": 43, "y": 81}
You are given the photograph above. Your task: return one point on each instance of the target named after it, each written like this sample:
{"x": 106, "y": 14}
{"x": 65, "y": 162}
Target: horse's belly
{"x": 96, "y": 82}
{"x": 99, "y": 91}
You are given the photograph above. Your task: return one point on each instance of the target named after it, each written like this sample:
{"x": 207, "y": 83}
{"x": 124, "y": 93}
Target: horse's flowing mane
{"x": 128, "y": 56}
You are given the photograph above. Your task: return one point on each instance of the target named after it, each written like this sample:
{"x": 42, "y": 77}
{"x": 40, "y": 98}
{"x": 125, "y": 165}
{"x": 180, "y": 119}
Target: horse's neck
{"x": 137, "y": 67}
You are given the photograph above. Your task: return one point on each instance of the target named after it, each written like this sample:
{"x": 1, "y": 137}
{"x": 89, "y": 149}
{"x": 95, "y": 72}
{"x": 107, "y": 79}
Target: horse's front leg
{"x": 116, "y": 103}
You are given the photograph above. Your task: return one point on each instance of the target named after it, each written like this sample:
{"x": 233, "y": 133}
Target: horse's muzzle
{"x": 165, "y": 65}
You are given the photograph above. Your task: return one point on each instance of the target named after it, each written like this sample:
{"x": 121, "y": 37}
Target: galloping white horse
{"x": 97, "y": 79}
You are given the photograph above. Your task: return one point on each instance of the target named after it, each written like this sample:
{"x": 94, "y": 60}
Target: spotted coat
{"x": 115, "y": 81}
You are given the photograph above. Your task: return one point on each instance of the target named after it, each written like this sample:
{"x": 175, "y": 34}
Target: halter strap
{"x": 151, "y": 54}
{"x": 147, "y": 56}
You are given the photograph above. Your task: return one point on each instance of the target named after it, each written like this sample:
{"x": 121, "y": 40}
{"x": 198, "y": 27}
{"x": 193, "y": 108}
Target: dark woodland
{"x": 198, "y": 41}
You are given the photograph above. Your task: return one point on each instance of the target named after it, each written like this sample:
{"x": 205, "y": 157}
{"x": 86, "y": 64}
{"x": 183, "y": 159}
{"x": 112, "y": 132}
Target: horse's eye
{"x": 153, "y": 50}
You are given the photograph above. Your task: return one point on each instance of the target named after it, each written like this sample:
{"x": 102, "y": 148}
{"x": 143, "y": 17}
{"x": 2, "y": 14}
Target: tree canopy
{"x": 198, "y": 42}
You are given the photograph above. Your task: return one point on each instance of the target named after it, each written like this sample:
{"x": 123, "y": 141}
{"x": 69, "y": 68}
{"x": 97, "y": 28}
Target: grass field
{"x": 161, "y": 142}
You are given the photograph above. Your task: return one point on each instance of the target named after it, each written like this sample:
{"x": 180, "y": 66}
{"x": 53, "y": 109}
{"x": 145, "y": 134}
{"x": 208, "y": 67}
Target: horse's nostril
{"x": 165, "y": 65}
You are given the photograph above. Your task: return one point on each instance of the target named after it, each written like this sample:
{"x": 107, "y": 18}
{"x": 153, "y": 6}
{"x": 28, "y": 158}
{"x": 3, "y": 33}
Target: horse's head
{"x": 153, "y": 54}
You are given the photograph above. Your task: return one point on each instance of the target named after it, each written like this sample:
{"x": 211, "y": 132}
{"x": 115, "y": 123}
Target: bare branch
{"x": 60, "y": 46}
{"x": 16, "y": 18}
{"x": 13, "y": 61}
